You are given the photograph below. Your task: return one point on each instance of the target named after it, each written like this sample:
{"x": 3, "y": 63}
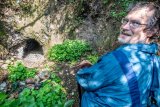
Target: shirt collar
{"x": 148, "y": 48}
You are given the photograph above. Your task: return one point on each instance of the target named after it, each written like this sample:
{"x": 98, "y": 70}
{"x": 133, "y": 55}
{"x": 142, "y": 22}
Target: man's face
{"x": 133, "y": 28}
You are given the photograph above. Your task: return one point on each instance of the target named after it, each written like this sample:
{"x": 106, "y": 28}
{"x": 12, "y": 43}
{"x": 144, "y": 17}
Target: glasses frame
{"x": 132, "y": 23}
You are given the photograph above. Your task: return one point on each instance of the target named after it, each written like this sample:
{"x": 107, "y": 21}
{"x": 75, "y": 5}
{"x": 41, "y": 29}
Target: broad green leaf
{"x": 69, "y": 103}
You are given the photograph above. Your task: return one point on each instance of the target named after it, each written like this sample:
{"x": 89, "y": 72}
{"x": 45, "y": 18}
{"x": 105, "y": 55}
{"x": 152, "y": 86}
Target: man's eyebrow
{"x": 137, "y": 21}
{"x": 132, "y": 20}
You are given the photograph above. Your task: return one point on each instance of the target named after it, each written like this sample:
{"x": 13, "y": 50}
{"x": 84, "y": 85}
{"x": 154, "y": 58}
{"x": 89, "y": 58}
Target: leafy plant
{"x": 70, "y": 50}
{"x": 55, "y": 78}
{"x": 3, "y": 96}
{"x": 20, "y": 72}
{"x": 92, "y": 58}
{"x": 121, "y": 8}
{"x": 69, "y": 103}
{"x": 50, "y": 94}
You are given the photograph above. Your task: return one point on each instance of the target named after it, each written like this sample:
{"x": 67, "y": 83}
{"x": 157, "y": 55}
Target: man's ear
{"x": 151, "y": 32}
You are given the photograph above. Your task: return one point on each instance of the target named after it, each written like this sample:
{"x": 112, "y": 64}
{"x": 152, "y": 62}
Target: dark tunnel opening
{"x": 32, "y": 46}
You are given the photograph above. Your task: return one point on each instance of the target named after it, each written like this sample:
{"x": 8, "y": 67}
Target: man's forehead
{"x": 140, "y": 13}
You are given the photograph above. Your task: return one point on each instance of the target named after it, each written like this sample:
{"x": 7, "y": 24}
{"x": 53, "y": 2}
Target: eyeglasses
{"x": 132, "y": 23}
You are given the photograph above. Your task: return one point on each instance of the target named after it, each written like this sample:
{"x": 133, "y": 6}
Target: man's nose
{"x": 126, "y": 26}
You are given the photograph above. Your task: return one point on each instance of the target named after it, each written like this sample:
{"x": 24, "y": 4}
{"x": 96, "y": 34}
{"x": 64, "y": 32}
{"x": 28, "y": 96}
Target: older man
{"x": 130, "y": 75}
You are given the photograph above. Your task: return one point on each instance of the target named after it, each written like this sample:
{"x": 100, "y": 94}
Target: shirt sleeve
{"x": 157, "y": 90}
{"x": 100, "y": 74}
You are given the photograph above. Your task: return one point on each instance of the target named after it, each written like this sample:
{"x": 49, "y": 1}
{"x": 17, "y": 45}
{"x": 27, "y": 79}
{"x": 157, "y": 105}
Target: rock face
{"x": 3, "y": 52}
{"x": 50, "y": 22}
{"x": 3, "y": 75}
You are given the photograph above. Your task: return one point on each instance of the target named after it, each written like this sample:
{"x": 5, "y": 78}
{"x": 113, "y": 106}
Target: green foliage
{"x": 70, "y": 50}
{"x": 27, "y": 8}
{"x": 93, "y": 58}
{"x": 20, "y": 72}
{"x": 71, "y": 1}
{"x": 105, "y": 2}
{"x": 2, "y": 30}
{"x": 117, "y": 15}
{"x": 55, "y": 78}
{"x": 120, "y": 11}
{"x": 50, "y": 94}
{"x": 69, "y": 103}
{"x": 119, "y": 8}
{"x": 3, "y": 96}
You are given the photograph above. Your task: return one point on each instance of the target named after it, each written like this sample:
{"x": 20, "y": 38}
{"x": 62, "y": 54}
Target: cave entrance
{"x": 32, "y": 47}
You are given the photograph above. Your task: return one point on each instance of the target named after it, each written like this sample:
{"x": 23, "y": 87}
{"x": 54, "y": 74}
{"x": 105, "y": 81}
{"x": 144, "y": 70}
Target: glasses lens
{"x": 132, "y": 23}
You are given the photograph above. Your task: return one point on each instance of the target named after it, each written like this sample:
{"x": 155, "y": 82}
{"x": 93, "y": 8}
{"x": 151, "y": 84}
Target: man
{"x": 130, "y": 75}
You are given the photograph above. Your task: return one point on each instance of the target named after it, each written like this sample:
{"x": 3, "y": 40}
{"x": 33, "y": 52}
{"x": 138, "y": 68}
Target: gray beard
{"x": 120, "y": 40}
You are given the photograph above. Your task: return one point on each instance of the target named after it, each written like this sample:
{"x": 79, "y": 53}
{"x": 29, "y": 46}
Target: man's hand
{"x": 84, "y": 63}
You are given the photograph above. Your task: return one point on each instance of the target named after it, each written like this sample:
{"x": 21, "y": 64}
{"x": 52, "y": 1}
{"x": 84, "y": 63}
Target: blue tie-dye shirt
{"x": 106, "y": 85}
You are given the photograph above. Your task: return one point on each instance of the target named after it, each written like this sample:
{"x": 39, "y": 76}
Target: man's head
{"x": 141, "y": 25}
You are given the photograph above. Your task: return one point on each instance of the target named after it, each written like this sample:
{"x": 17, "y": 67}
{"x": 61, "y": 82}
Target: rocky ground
{"x": 65, "y": 71}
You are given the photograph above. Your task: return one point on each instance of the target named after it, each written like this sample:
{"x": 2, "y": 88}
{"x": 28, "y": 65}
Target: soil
{"x": 68, "y": 76}
{"x": 65, "y": 71}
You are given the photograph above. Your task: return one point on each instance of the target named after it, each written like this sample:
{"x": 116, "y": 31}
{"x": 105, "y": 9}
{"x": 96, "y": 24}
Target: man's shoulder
{"x": 158, "y": 58}
{"x": 107, "y": 59}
